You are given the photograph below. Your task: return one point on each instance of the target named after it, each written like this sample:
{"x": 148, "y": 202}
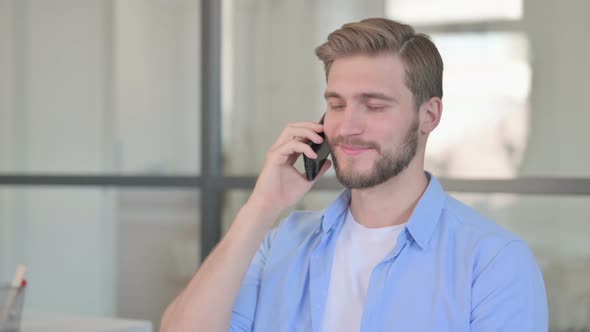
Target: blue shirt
{"x": 451, "y": 270}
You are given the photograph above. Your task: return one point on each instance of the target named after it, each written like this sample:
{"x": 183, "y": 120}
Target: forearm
{"x": 206, "y": 303}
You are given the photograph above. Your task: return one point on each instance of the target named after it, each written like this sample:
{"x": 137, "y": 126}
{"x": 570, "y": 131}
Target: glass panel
{"x": 450, "y": 11}
{"x": 99, "y": 86}
{"x": 271, "y": 76}
{"x": 556, "y": 228}
{"x": 123, "y": 253}
{"x": 8, "y": 118}
{"x": 506, "y": 112}
{"x": 157, "y": 63}
{"x": 486, "y": 117}
{"x": 233, "y": 200}
{"x": 492, "y": 113}
{"x": 512, "y": 99}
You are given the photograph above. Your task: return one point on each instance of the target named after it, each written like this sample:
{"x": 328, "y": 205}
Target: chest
{"x": 415, "y": 290}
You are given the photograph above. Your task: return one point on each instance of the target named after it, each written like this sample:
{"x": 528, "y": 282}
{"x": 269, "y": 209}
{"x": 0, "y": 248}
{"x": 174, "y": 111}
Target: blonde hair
{"x": 422, "y": 61}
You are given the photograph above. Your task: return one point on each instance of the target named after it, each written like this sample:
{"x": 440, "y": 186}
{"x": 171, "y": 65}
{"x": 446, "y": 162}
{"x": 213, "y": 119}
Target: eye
{"x": 376, "y": 107}
{"x": 336, "y": 107}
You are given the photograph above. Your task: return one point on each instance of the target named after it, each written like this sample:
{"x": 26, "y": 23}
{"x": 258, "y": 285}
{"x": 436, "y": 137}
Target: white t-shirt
{"x": 358, "y": 250}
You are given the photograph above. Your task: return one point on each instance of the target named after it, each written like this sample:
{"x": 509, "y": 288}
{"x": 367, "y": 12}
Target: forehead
{"x": 382, "y": 73}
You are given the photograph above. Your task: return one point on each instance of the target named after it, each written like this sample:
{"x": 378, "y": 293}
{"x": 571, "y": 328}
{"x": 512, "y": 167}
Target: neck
{"x": 390, "y": 203}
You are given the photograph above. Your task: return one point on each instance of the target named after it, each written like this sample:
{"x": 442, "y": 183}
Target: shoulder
{"x": 300, "y": 224}
{"x": 294, "y": 230}
{"x": 483, "y": 239}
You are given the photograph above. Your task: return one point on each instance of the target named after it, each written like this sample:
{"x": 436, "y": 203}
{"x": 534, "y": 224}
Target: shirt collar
{"x": 422, "y": 222}
{"x": 427, "y": 212}
{"x": 333, "y": 213}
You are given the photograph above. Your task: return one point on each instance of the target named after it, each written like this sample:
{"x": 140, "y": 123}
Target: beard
{"x": 389, "y": 164}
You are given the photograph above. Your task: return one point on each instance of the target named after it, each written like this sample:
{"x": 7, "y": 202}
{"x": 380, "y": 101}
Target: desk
{"x": 57, "y": 322}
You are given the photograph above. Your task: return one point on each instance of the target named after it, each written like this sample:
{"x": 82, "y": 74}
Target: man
{"x": 394, "y": 252}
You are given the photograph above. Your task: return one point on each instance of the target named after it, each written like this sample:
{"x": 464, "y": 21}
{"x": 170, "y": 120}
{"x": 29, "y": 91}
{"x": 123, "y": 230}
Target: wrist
{"x": 263, "y": 208}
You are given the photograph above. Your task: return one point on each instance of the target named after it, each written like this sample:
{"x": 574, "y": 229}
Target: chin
{"x": 353, "y": 173}
{"x": 355, "y": 166}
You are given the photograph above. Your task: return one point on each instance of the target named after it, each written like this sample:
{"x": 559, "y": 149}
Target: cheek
{"x": 387, "y": 138}
{"x": 329, "y": 129}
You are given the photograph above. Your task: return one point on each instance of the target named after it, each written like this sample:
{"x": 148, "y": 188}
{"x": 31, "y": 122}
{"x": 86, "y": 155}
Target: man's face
{"x": 371, "y": 121}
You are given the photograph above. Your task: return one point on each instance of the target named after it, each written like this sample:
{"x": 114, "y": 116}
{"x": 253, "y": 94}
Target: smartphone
{"x": 313, "y": 166}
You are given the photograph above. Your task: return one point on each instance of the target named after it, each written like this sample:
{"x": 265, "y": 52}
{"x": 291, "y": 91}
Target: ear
{"x": 430, "y": 113}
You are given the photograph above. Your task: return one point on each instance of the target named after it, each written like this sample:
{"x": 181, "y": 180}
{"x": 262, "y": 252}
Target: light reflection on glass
{"x": 487, "y": 82}
{"x": 436, "y": 11}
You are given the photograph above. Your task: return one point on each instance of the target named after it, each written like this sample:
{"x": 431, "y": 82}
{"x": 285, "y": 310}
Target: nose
{"x": 350, "y": 122}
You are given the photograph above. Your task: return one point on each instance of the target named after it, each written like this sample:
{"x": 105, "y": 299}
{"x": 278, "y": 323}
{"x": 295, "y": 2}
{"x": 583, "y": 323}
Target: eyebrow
{"x": 364, "y": 95}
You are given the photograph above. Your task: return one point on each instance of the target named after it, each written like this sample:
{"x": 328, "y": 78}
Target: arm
{"x": 206, "y": 303}
{"x": 509, "y": 294}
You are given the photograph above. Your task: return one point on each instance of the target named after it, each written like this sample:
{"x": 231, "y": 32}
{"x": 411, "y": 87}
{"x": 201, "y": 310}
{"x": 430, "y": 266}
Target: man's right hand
{"x": 280, "y": 185}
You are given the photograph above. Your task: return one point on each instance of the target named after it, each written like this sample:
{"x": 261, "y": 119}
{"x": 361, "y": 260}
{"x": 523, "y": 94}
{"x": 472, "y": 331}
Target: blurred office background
{"x": 132, "y": 131}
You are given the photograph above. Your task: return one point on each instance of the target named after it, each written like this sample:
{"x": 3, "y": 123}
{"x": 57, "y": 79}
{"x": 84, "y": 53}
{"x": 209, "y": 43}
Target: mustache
{"x": 348, "y": 140}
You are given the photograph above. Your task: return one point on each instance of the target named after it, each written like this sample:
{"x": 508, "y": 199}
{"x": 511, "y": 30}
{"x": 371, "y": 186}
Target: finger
{"x": 285, "y": 152}
{"x": 308, "y": 124}
{"x": 293, "y": 158}
{"x": 300, "y": 139}
{"x": 311, "y": 136}
{"x": 301, "y": 133}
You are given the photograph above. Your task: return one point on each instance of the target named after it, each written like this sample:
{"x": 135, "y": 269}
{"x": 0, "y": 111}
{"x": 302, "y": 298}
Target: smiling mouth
{"x": 353, "y": 150}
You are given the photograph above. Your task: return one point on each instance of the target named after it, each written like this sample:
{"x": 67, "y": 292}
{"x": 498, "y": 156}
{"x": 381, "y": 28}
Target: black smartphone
{"x": 313, "y": 166}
